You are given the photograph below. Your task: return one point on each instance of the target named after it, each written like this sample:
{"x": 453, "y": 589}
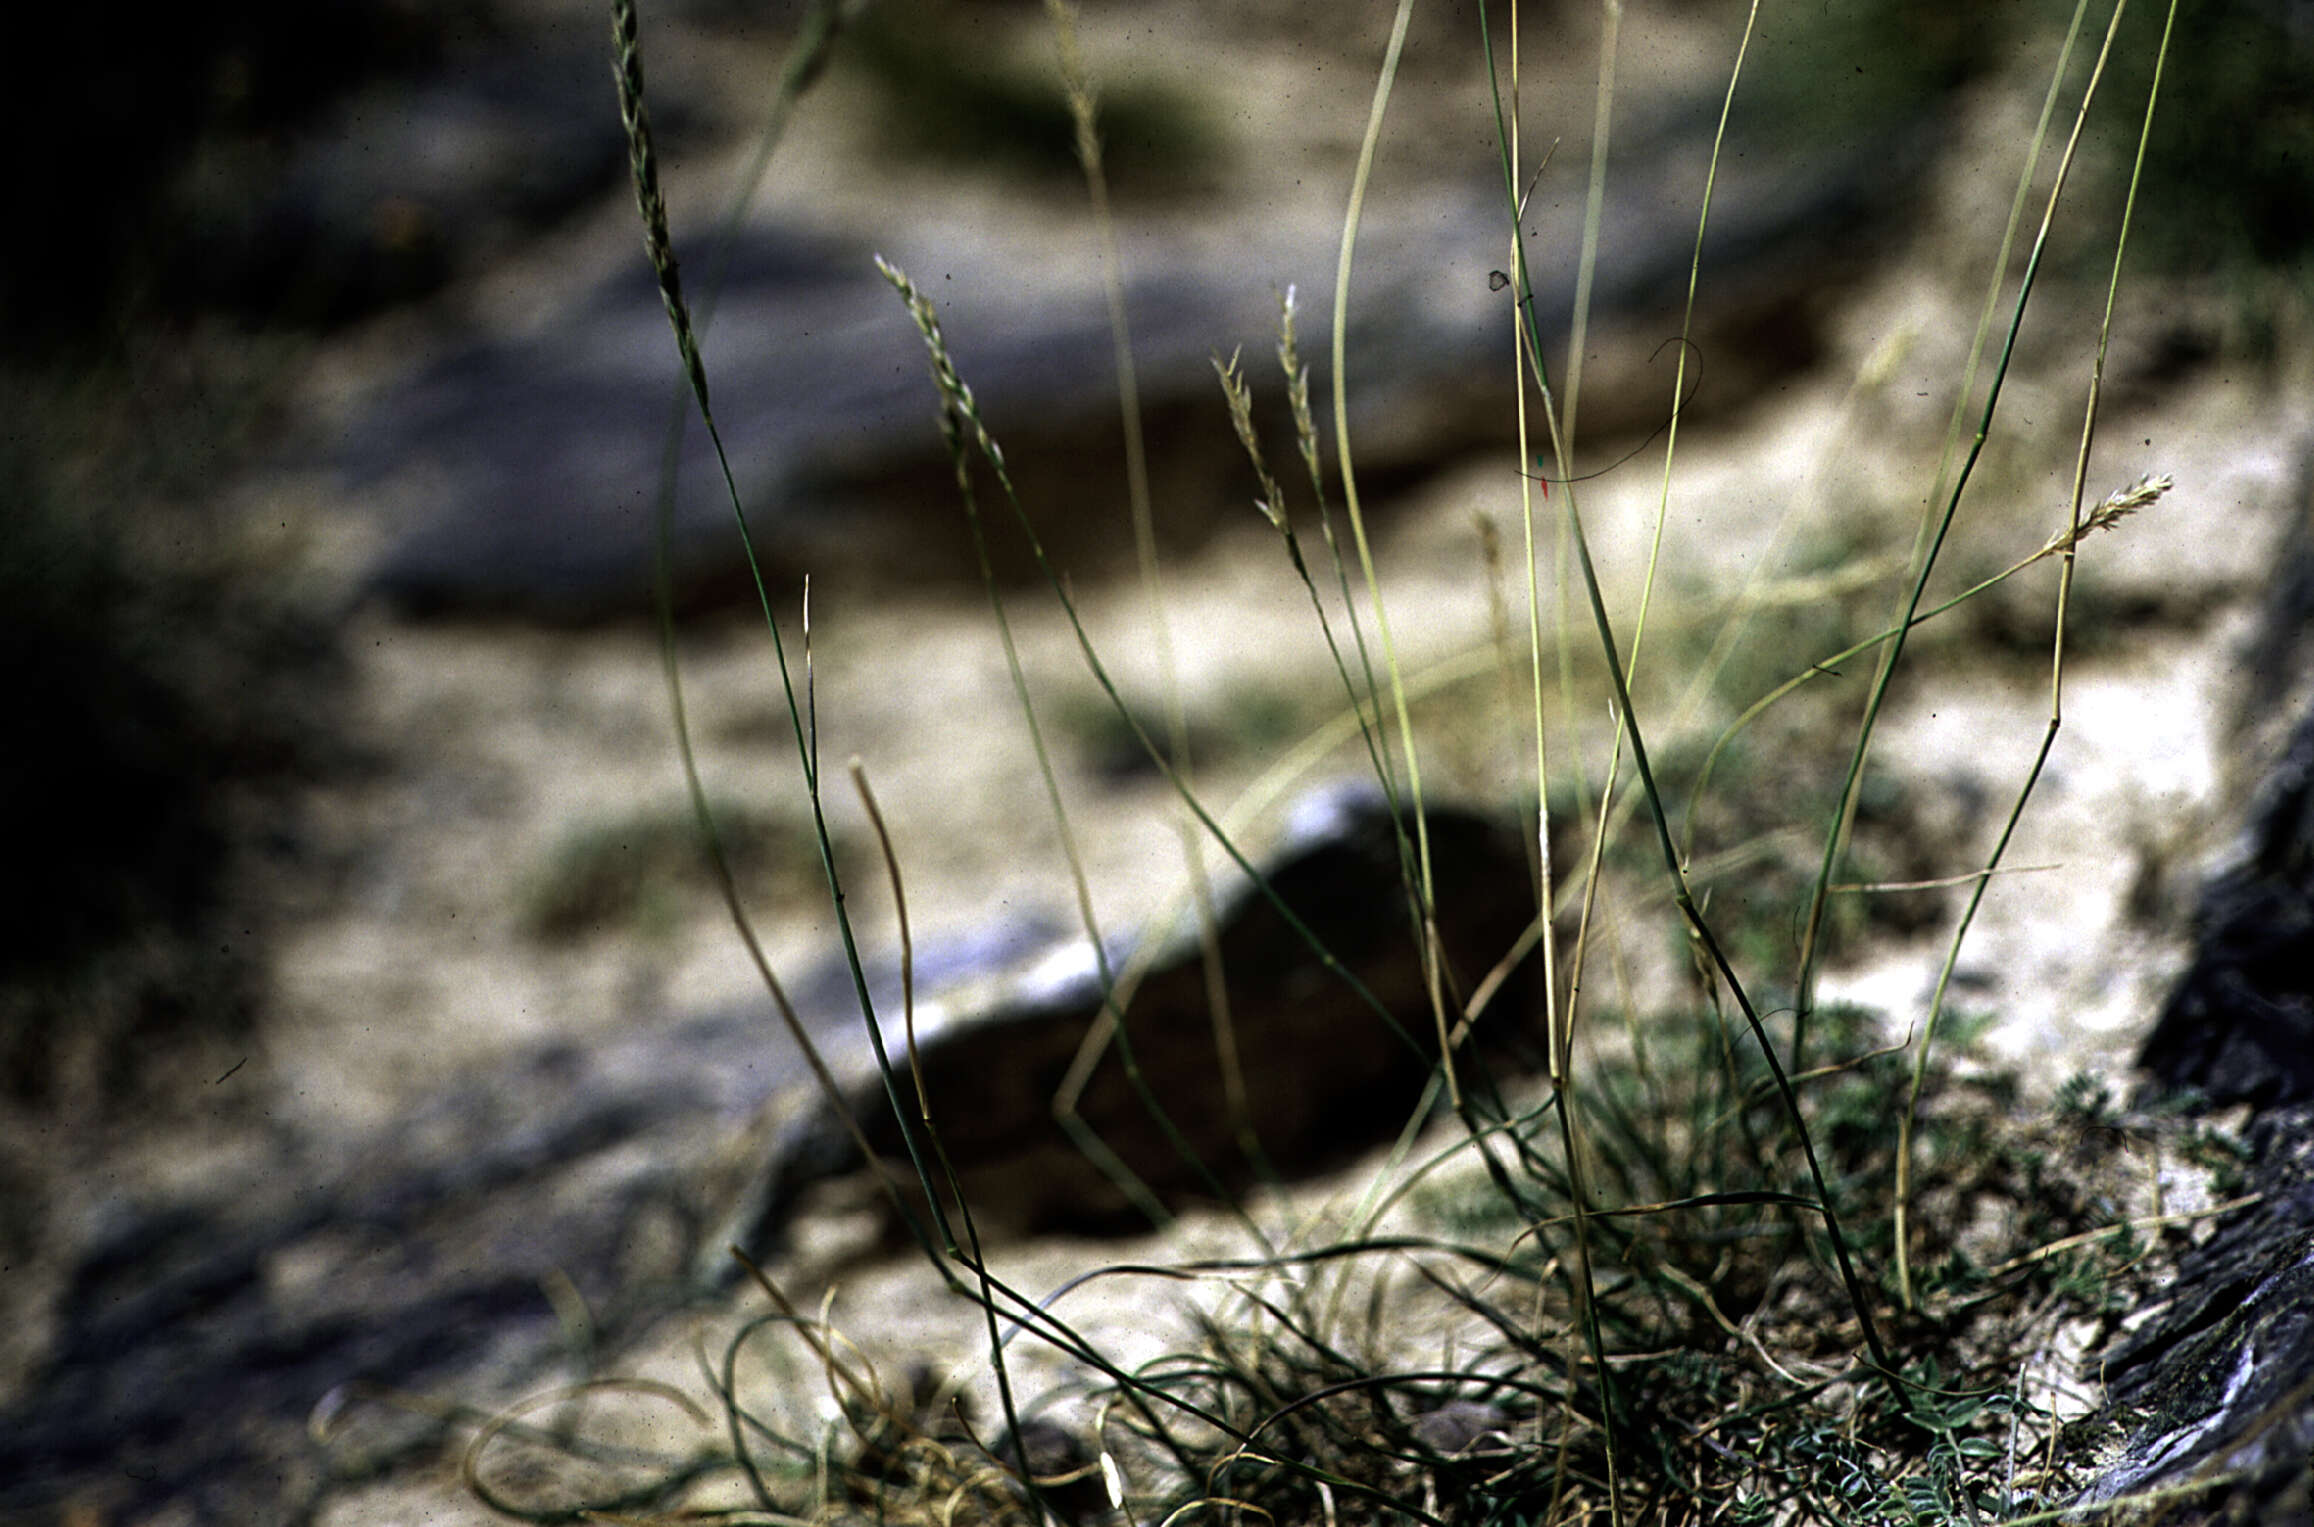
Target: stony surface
{"x": 400, "y": 188}
{"x": 525, "y": 470}
{"x": 2239, "y": 1027}
{"x": 2218, "y": 1384}
{"x": 1321, "y": 1075}
{"x": 198, "y": 1334}
{"x": 534, "y": 1220}
{"x": 2219, "y": 1379}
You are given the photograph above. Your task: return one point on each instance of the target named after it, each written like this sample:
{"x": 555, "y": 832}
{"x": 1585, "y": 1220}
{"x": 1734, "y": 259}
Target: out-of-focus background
{"x": 342, "y": 776}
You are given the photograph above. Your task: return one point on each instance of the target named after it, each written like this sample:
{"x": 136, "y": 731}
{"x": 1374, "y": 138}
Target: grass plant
{"x": 1747, "y": 1261}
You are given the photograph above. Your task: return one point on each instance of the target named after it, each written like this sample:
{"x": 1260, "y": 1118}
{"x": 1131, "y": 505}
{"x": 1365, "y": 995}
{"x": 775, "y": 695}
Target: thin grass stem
{"x": 2067, "y": 541}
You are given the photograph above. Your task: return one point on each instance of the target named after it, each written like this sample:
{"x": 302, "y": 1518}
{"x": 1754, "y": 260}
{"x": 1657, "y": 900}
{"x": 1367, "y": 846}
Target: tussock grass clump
{"x": 1768, "y": 1259}
{"x": 1732, "y": 1395}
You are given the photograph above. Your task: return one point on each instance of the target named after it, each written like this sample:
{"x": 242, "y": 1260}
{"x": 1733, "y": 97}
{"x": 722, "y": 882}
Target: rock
{"x": 402, "y": 185}
{"x": 123, "y": 97}
{"x": 195, "y": 1338}
{"x": 519, "y": 475}
{"x": 1325, "y": 1076}
{"x": 2239, "y": 1027}
{"x": 2218, "y": 1382}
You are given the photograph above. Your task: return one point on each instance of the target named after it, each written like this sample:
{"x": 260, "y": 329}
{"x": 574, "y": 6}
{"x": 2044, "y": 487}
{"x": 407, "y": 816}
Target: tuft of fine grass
{"x": 1705, "y": 1273}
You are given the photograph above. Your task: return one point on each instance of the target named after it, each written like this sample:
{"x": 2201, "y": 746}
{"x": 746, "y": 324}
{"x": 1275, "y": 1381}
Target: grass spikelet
{"x": 643, "y": 160}
{"x": 2116, "y": 506}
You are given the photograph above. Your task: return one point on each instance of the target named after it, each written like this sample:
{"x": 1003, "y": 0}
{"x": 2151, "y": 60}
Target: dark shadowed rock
{"x": 522, "y": 474}
{"x": 1325, "y": 1074}
{"x": 196, "y": 1337}
{"x": 403, "y": 185}
{"x": 2239, "y": 1027}
{"x": 2218, "y": 1384}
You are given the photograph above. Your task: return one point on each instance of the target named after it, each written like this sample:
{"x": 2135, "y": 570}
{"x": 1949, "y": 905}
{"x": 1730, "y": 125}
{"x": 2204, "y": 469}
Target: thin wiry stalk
{"x": 739, "y": 1422}
{"x": 1687, "y": 327}
{"x": 1609, "y": 817}
{"x": 2066, "y": 543}
{"x": 1297, "y": 375}
{"x": 1077, "y": 84}
{"x": 2137, "y": 496}
{"x": 1526, "y": 352}
{"x": 1341, "y": 329}
{"x": 1760, "y": 590}
{"x": 899, "y": 887}
{"x": 1239, "y": 398}
{"x": 1927, "y": 535}
{"x": 1032, "y": 1315}
{"x": 1594, "y": 207}
{"x": 959, "y": 401}
{"x": 958, "y": 411}
{"x": 638, "y": 1498}
{"x": 1296, "y": 762}
{"x": 2016, "y": 220}
{"x": 977, "y": 1260}
{"x": 1836, "y": 833}
{"x": 948, "y": 1172}
{"x": 659, "y": 249}
{"x": 1544, "y": 893}
{"x": 1689, "y": 911}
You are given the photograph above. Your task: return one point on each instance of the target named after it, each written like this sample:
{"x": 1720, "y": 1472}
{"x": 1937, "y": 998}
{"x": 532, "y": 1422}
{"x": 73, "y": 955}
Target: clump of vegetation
{"x": 638, "y": 872}
{"x": 1754, "y": 1261}
{"x": 1738, "y": 1398}
{"x": 1433, "y": 1368}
